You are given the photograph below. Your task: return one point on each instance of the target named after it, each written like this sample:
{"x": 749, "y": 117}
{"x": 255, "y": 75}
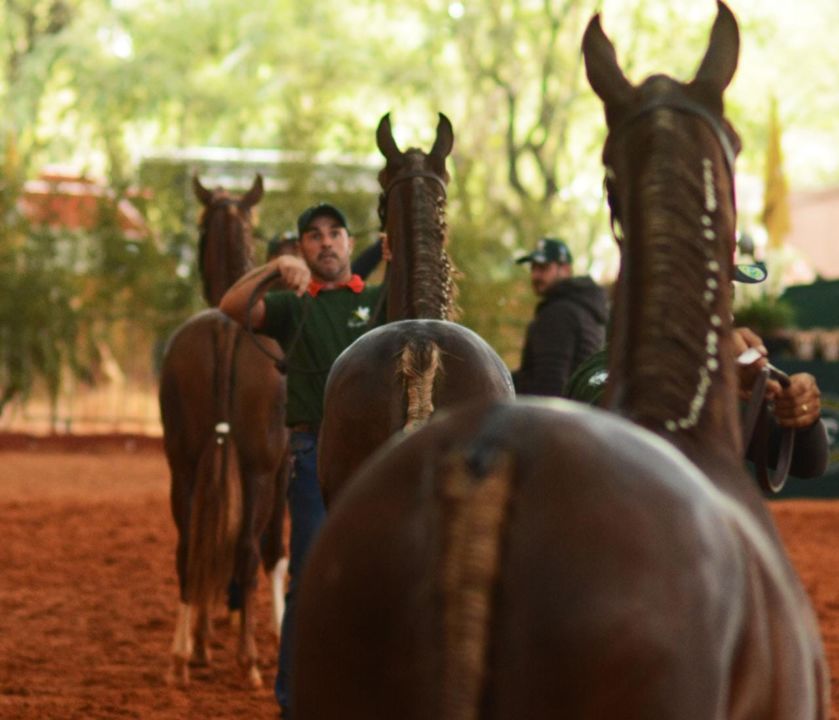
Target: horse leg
{"x": 178, "y": 673}
{"x": 277, "y": 579}
{"x": 274, "y": 557}
{"x": 247, "y": 566}
{"x": 203, "y": 631}
{"x": 247, "y": 655}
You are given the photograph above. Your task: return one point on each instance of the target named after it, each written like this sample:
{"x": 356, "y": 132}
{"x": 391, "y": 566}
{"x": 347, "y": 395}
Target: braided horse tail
{"x": 475, "y": 507}
{"x": 419, "y": 365}
{"x": 216, "y": 508}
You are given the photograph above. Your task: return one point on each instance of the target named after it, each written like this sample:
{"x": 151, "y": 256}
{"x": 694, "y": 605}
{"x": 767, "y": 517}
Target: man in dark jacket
{"x": 569, "y": 324}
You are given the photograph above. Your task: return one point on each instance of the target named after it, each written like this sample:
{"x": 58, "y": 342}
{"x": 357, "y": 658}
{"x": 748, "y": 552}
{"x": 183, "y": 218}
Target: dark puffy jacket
{"x": 569, "y": 325}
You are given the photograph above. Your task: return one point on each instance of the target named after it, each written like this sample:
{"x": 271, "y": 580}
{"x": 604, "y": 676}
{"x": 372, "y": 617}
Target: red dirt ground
{"x": 88, "y": 590}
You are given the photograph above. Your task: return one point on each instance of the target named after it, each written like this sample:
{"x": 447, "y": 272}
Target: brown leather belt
{"x": 305, "y": 427}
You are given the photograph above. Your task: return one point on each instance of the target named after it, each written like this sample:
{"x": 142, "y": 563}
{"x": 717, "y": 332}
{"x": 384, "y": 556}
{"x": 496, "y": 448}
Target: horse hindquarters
{"x": 780, "y": 672}
{"x": 199, "y": 387}
{"x": 392, "y": 379}
{"x": 604, "y": 582}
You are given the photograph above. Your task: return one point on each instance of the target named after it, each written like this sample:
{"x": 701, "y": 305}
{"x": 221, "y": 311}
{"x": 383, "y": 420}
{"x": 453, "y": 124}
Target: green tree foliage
{"x": 98, "y": 82}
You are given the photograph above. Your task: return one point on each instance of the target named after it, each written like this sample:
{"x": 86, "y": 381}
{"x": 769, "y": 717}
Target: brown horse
{"x": 222, "y": 402}
{"x": 393, "y": 378}
{"x": 541, "y": 560}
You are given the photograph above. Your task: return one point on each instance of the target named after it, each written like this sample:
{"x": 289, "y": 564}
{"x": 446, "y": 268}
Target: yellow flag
{"x": 775, "y": 199}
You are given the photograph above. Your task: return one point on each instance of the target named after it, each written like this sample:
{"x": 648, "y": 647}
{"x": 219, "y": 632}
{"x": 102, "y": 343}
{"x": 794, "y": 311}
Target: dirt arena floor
{"x": 88, "y": 589}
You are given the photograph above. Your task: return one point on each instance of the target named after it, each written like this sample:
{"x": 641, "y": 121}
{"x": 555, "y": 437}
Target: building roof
{"x": 62, "y": 198}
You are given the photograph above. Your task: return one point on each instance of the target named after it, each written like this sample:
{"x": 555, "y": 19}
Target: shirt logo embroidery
{"x": 359, "y": 317}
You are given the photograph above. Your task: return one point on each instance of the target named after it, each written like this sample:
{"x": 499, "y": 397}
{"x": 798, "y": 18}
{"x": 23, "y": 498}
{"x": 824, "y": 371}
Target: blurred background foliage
{"x": 112, "y": 86}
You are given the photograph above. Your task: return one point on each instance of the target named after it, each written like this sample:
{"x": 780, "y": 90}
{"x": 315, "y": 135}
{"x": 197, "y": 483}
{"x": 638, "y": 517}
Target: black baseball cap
{"x": 316, "y": 211}
{"x": 547, "y": 250}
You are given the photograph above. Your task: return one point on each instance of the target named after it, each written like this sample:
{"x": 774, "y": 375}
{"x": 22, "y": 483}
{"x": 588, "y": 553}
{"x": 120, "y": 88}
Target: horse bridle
{"x": 679, "y": 104}
{"x": 398, "y": 180}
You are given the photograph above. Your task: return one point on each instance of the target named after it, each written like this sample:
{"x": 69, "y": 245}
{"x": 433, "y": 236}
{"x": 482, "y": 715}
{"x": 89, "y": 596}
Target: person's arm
{"x": 811, "y": 453}
{"x": 368, "y": 260}
{"x": 744, "y": 339}
{"x": 799, "y": 406}
{"x": 295, "y": 276}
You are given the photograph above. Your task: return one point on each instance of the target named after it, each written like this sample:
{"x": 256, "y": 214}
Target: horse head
{"x": 412, "y": 211}
{"x": 669, "y": 158}
{"x": 225, "y": 236}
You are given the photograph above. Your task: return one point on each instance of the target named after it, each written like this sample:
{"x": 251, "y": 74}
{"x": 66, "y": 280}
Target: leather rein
{"x": 756, "y": 430}
{"x": 679, "y": 104}
{"x": 757, "y": 416}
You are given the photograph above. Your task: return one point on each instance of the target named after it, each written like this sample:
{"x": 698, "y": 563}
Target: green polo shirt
{"x": 331, "y": 321}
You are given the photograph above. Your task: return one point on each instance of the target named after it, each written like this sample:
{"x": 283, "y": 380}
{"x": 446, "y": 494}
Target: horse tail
{"x": 475, "y": 507}
{"x": 216, "y": 508}
{"x": 419, "y": 365}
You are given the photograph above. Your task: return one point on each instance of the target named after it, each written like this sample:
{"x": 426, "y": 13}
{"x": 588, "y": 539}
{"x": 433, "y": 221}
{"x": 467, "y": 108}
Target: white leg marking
{"x": 277, "y": 576}
{"x": 182, "y": 644}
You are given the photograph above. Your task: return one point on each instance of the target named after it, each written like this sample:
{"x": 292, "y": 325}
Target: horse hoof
{"x": 254, "y": 678}
{"x": 178, "y": 673}
{"x": 201, "y": 657}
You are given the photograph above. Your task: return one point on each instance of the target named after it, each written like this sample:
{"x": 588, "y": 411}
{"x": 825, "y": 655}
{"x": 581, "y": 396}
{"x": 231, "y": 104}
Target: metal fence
{"x": 114, "y": 408}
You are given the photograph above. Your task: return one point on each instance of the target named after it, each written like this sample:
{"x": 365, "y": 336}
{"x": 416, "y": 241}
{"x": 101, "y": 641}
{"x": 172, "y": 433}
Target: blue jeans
{"x": 305, "y": 506}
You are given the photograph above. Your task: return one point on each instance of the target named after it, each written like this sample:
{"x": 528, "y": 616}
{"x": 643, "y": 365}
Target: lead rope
{"x": 279, "y": 362}
{"x": 756, "y": 428}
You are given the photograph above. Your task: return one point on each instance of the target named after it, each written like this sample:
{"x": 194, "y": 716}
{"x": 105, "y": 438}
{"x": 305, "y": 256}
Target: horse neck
{"x": 672, "y": 359}
{"x": 420, "y": 278}
{"x": 227, "y": 253}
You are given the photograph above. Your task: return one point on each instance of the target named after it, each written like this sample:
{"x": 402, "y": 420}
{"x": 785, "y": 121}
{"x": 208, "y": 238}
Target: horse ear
{"x": 384, "y": 140}
{"x": 204, "y": 196}
{"x": 720, "y": 61}
{"x": 254, "y": 195}
{"x": 444, "y": 142}
{"x": 602, "y": 69}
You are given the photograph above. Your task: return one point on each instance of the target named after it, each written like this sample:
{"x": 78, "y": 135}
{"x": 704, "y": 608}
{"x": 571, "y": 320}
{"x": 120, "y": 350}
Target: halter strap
{"x": 400, "y": 179}
{"x": 689, "y": 107}
{"x": 679, "y": 104}
{"x": 410, "y": 176}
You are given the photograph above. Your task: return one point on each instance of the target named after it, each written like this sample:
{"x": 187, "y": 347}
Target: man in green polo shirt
{"x": 324, "y": 308}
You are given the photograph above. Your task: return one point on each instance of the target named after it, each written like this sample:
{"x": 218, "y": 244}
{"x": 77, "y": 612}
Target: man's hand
{"x": 295, "y": 273}
{"x": 387, "y": 255}
{"x": 745, "y": 339}
{"x": 799, "y": 405}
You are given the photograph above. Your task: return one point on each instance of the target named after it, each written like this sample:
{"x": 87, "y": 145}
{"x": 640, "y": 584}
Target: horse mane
{"x": 682, "y": 275}
{"x": 432, "y": 269}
